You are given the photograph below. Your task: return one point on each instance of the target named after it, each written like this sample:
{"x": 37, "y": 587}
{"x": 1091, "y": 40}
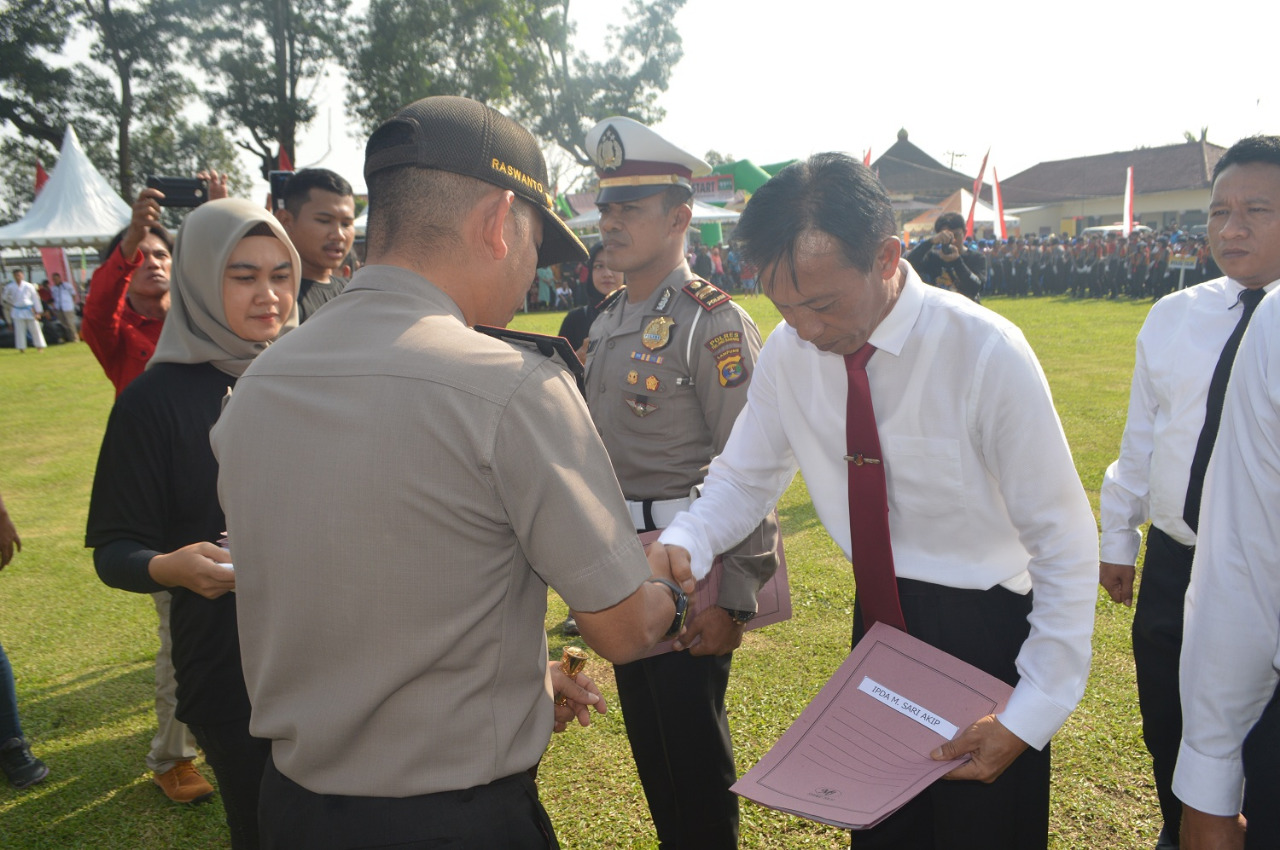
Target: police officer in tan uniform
{"x": 669, "y": 360}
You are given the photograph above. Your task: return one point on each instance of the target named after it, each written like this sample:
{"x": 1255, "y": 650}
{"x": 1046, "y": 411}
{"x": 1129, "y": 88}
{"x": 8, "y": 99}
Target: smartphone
{"x": 180, "y": 191}
{"x": 278, "y": 180}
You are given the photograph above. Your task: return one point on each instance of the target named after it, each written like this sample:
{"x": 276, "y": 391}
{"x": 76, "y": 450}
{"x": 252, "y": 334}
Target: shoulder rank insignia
{"x": 708, "y": 297}
{"x": 657, "y": 333}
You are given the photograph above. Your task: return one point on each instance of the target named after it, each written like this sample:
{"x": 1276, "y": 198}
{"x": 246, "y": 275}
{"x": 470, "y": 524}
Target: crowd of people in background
{"x": 1144, "y": 264}
{"x": 1095, "y": 266}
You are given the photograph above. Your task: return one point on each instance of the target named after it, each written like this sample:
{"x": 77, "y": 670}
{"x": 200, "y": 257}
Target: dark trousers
{"x": 673, "y": 707}
{"x": 503, "y": 815}
{"x": 237, "y": 759}
{"x": 985, "y": 628}
{"x": 1261, "y": 756}
{"x": 1157, "y": 645}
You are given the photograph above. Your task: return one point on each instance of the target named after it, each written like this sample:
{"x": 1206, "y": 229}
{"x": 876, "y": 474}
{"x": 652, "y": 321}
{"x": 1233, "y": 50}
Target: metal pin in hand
{"x": 572, "y": 662}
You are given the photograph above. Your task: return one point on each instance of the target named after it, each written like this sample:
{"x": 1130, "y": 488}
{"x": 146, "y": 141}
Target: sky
{"x": 771, "y": 80}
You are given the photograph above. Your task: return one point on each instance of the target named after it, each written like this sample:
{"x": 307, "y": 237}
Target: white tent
{"x": 76, "y": 208}
{"x": 702, "y": 214}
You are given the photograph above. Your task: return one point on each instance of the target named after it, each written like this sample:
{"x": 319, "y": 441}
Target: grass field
{"x": 82, "y": 652}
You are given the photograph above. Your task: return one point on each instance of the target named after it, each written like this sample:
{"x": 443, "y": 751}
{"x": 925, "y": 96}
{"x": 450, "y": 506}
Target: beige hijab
{"x": 196, "y": 331}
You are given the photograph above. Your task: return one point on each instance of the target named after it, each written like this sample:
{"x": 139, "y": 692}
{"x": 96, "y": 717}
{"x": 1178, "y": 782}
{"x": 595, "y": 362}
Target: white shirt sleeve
{"x": 1231, "y": 640}
{"x": 1124, "y": 498}
{"x": 1024, "y": 448}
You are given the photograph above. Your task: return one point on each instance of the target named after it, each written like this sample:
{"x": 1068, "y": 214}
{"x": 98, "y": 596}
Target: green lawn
{"x": 82, "y": 652}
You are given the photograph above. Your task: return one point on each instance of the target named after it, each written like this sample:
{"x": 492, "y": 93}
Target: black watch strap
{"x": 681, "y": 601}
{"x": 739, "y": 617}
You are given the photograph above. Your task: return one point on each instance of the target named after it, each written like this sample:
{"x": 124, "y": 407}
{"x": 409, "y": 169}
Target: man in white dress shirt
{"x": 1231, "y": 708}
{"x": 1229, "y": 761}
{"x": 1170, "y": 434}
{"x": 992, "y": 536}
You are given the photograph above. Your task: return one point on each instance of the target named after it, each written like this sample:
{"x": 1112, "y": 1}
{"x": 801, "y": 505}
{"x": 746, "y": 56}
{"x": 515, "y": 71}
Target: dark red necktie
{"x": 872, "y": 553}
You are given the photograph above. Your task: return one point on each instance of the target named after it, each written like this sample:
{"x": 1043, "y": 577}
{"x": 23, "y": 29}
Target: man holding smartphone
{"x": 944, "y": 261}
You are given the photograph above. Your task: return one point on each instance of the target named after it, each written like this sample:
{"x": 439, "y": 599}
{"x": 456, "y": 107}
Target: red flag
{"x": 53, "y": 259}
{"x": 283, "y": 160}
{"x": 866, "y": 158}
{"x": 1128, "y": 201}
{"x": 998, "y": 203}
{"x": 977, "y": 189}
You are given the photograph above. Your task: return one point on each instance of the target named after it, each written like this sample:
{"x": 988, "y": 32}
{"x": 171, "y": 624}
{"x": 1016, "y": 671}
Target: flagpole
{"x": 977, "y": 189}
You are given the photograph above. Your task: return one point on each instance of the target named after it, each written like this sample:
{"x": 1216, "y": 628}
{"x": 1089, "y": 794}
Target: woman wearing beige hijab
{"x": 154, "y": 516}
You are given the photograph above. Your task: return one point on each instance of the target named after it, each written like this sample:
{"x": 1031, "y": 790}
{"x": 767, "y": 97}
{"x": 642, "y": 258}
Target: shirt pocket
{"x": 923, "y": 475}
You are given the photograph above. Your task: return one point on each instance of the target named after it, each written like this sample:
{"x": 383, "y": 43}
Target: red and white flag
{"x": 977, "y": 189}
{"x": 997, "y": 204}
{"x": 1128, "y": 201}
{"x": 53, "y": 259}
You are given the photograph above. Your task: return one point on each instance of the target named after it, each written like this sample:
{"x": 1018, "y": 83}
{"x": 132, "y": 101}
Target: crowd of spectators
{"x": 1095, "y": 266}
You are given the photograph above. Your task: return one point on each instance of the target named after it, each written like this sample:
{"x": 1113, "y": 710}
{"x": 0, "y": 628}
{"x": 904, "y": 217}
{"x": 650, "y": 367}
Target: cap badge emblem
{"x": 609, "y": 151}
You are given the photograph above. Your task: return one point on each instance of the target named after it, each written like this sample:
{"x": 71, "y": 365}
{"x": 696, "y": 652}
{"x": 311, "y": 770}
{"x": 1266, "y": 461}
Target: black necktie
{"x": 1213, "y": 408}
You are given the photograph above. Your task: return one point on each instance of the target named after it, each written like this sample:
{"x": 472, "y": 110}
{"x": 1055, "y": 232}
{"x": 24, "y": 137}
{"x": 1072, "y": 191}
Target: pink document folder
{"x": 860, "y": 750}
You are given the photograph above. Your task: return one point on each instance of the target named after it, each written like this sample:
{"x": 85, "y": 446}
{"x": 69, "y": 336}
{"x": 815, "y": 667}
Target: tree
{"x": 32, "y": 90}
{"x": 573, "y": 92}
{"x": 135, "y": 43}
{"x": 264, "y": 58}
{"x": 405, "y": 50}
{"x": 715, "y": 159}
{"x": 514, "y": 55}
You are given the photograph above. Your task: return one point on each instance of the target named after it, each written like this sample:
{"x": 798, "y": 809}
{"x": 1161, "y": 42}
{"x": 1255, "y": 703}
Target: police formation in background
{"x": 669, "y": 360}
{"x": 1141, "y": 265}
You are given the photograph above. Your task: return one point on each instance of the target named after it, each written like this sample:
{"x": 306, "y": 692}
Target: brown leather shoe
{"x": 182, "y": 783}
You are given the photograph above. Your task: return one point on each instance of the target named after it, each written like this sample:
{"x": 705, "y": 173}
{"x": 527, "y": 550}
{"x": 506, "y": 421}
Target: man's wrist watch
{"x": 739, "y": 617}
{"x": 681, "y": 601}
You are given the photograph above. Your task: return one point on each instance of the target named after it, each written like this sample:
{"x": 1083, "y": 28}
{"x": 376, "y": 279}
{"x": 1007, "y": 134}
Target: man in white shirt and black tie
{"x": 1231, "y": 656}
{"x": 1184, "y": 355}
{"x": 984, "y": 530}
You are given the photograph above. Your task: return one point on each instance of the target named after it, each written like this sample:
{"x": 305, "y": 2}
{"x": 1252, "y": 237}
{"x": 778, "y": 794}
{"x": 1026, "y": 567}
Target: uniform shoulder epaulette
{"x": 708, "y": 297}
{"x": 611, "y": 298}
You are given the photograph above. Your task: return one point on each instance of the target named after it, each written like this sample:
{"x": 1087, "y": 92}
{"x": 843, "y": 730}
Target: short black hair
{"x": 949, "y": 221}
{"x": 829, "y": 192}
{"x": 674, "y": 196}
{"x": 421, "y": 206}
{"x": 1265, "y": 149}
{"x": 298, "y": 190}
{"x": 154, "y": 229}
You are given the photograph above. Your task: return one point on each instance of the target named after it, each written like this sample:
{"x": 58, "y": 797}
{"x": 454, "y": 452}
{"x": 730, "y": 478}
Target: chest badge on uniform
{"x": 640, "y": 407}
{"x": 652, "y": 384}
{"x": 657, "y": 333}
{"x": 633, "y": 377}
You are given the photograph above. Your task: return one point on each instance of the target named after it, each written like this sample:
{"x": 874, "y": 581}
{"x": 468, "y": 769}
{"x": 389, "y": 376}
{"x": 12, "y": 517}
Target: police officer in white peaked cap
{"x": 669, "y": 360}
